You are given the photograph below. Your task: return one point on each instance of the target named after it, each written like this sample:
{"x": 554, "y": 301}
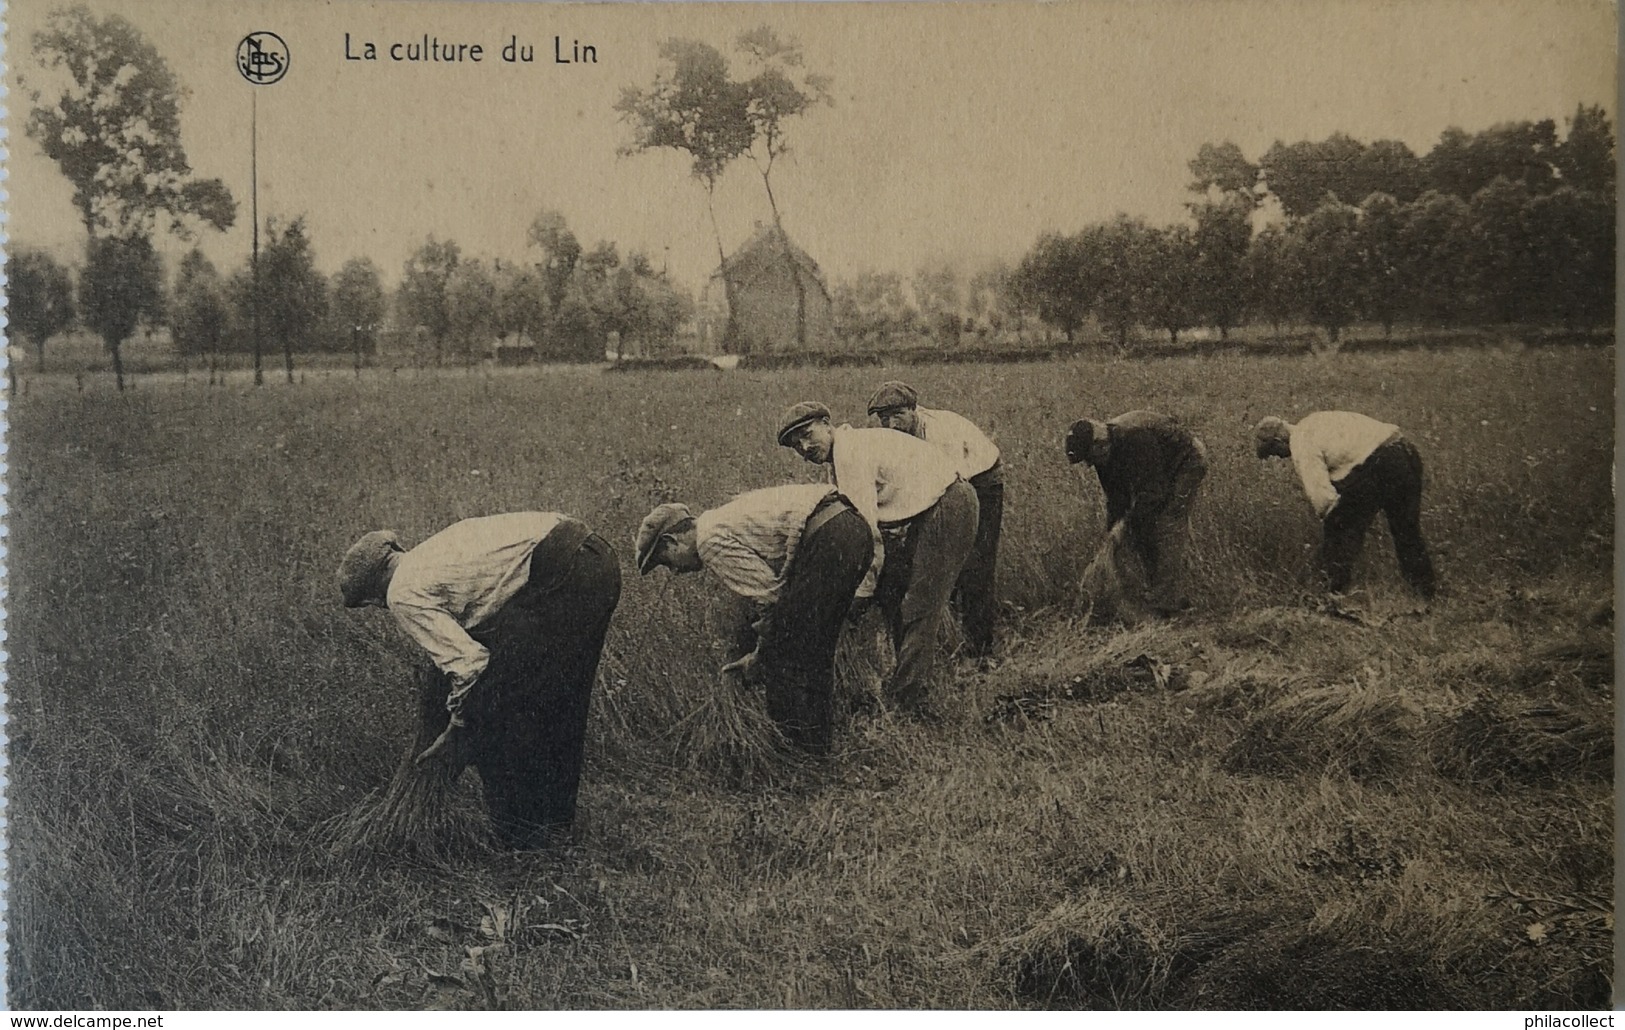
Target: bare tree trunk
{"x": 795, "y": 266}
{"x": 730, "y": 331}
{"x": 118, "y": 363}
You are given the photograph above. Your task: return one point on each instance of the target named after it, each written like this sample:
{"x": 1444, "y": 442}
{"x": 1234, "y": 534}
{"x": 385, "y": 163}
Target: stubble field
{"x": 1263, "y": 804}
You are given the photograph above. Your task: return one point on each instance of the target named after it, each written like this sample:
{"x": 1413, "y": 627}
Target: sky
{"x": 959, "y": 131}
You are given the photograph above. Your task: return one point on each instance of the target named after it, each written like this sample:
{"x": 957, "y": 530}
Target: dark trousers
{"x": 527, "y": 715}
{"x": 1389, "y": 480}
{"x": 1162, "y": 537}
{"x": 921, "y": 568}
{"x": 976, "y": 595}
{"x": 796, "y": 663}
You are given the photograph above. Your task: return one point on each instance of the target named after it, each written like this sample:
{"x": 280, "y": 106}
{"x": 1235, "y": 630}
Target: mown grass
{"x": 1276, "y": 806}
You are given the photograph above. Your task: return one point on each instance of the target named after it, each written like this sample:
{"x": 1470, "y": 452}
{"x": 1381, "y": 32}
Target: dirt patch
{"x": 1287, "y": 967}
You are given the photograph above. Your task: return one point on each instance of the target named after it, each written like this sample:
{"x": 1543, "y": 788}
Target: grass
{"x": 1264, "y": 804}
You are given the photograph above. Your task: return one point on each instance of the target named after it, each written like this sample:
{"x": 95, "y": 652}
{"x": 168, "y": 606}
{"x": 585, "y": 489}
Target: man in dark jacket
{"x": 1150, "y": 468}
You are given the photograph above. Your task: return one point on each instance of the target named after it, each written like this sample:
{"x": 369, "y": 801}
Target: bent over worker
{"x": 796, "y": 555}
{"x": 1150, "y": 468}
{"x": 1353, "y": 466}
{"x": 922, "y": 523}
{"x": 897, "y": 406}
{"x": 512, "y": 610}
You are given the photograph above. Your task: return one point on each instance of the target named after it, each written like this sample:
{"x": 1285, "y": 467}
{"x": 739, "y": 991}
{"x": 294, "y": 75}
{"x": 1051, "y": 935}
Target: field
{"x": 1265, "y": 804}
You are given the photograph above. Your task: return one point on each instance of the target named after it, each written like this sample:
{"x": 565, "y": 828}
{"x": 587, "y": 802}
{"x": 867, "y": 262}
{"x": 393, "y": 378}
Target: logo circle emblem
{"x": 262, "y": 58}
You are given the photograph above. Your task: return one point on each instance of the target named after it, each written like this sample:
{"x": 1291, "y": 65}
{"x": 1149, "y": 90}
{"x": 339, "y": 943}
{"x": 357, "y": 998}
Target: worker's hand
{"x": 744, "y": 666}
{"x": 860, "y": 608}
{"x": 444, "y": 747}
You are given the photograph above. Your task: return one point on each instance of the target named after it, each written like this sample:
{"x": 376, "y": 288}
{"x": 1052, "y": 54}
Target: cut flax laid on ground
{"x": 1364, "y": 728}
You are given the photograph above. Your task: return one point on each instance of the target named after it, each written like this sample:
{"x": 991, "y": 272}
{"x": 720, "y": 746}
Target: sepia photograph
{"x": 961, "y": 506}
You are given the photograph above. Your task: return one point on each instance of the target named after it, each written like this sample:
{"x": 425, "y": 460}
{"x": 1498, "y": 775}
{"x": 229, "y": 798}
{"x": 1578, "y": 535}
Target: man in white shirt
{"x": 512, "y": 610}
{"x": 897, "y": 406}
{"x": 1352, "y": 467}
{"x": 922, "y": 521}
{"x": 796, "y": 555}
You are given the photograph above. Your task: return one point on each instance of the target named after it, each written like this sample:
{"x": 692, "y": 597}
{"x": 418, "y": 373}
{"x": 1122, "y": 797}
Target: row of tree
{"x": 565, "y": 305}
{"x": 1532, "y": 242}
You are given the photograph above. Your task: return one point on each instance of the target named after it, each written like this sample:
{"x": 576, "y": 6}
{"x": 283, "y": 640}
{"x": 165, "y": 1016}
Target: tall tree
{"x": 471, "y": 308}
{"x": 1503, "y": 252}
{"x": 292, "y": 299}
{"x": 1270, "y": 276}
{"x": 694, "y": 107}
{"x": 39, "y": 300}
{"x": 1585, "y": 158}
{"x": 523, "y": 301}
{"x": 1224, "y": 170}
{"x": 1117, "y": 256}
{"x": 1383, "y": 285}
{"x": 1329, "y": 265}
{"x": 358, "y": 305}
{"x": 114, "y": 128}
{"x": 1171, "y": 272}
{"x": 1436, "y": 253}
{"x": 1055, "y": 282}
{"x": 780, "y": 89}
{"x": 1224, "y": 230}
{"x": 551, "y": 234}
{"x": 936, "y": 293}
{"x": 1303, "y": 174}
{"x": 199, "y": 316}
{"x": 1572, "y": 264}
{"x": 423, "y": 290}
{"x": 120, "y": 282}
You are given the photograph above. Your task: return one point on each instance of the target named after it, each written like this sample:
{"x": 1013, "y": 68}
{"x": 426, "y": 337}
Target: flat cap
{"x": 1078, "y": 438}
{"x": 798, "y": 415}
{"x": 893, "y": 395}
{"x": 1272, "y": 428}
{"x": 657, "y": 524}
{"x": 363, "y": 563}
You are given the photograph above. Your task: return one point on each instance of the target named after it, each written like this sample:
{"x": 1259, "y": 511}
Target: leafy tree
{"x": 1436, "y": 248}
{"x": 1383, "y": 284}
{"x": 200, "y": 315}
{"x": 1572, "y": 272}
{"x": 1054, "y": 281}
{"x": 873, "y": 306}
{"x": 358, "y": 305}
{"x": 1224, "y": 231}
{"x": 1222, "y": 169}
{"x": 1388, "y": 166}
{"x": 1117, "y": 256}
{"x": 693, "y": 107}
{"x": 292, "y": 295}
{"x": 120, "y": 282}
{"x": 551, "y": 234}
{"x": 936, "y": 293}
{"x": 988, "y": 298}
{"x": 1171, "y": 274}
{"x": 523, "y": 300}
{"x": 1503, "y": 240}
{"x": 471, "y": 307}
{"x": 423, "y": 290}
{"x": 1303, "y": 174}
{"x": 780, "y": 89}
{"x": 1329, "y": 262}
{"x": 39, "y": 300}
{"x": 114, "y": 129}
{"x": 1585, "y": 159}
{"x": 1520, "y": 152}
{"x": 1270, "y": 276}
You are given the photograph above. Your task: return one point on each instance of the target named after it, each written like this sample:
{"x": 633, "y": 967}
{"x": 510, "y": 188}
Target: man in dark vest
{"x": 795, "y": 554}
{"x": 512, "y": 610}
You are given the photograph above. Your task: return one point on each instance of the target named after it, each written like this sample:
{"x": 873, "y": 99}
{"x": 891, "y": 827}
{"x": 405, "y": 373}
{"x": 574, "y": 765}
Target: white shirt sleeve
{"x": 1316, "y": 477}
{"x": 453, "y": 651}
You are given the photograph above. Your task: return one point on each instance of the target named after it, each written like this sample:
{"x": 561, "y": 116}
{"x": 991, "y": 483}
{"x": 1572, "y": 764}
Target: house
{"x": 779, "y": 296}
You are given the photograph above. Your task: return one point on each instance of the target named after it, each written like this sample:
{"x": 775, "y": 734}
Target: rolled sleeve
{"x": 452, "y": 650}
